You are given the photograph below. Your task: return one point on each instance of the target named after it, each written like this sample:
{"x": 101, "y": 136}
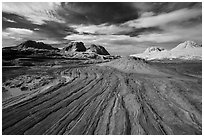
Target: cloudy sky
{"x": 122, "y": 28}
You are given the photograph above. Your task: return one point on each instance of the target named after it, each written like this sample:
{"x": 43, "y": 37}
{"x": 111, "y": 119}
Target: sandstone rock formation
{"x": 31, "y": 49}
{"x": 125, "y": 96}
{"x": 35, "y": 45}
{"x": 153, "y": 49}
{"x": 187, "y": 50}
{"x": 186, "y": 45}
{"x": 75, "y": 46}
{"x": 97, "y": 49}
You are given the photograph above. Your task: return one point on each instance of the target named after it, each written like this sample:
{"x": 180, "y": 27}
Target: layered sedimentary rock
{"x": 109, "y": 99}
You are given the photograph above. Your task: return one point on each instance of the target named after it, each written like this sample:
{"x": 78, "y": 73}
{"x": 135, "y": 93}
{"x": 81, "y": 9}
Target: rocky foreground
{"x": 125, "y": 96}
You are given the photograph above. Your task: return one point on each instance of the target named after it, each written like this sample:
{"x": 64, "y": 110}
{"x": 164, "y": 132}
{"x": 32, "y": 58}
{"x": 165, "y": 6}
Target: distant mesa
{"x": 75, "y": 46}
{"x": 97, "y": 49}
{"x": 35, "y": 45}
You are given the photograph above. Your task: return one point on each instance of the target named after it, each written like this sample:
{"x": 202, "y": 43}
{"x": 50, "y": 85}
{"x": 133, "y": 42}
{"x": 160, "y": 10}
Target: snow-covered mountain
{"x": 188, "y": 50}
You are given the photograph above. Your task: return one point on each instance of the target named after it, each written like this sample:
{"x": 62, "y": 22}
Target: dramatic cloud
{"x": 123, "y": 28}
{"x": 19, "y": 21}
{"x": 165, "y": 7}
{"x": 121, "y": 40}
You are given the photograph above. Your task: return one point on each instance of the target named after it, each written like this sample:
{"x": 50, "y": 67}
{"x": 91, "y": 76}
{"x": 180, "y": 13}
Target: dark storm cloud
{"x": 98, "y": 13}
{"x": 164, "y": 7}
{"x": 55, "y": 29}
{"x": 139, "y": 31}
{"x": 20, "y": 21}
{"x": 160, "y": 7}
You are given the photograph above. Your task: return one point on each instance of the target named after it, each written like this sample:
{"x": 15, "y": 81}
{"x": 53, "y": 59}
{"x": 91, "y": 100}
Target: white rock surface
{"x": 188, "y": 50}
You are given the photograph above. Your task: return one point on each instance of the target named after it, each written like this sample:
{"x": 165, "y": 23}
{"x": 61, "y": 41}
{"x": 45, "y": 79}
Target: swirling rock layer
{"x": 105, "y": 100}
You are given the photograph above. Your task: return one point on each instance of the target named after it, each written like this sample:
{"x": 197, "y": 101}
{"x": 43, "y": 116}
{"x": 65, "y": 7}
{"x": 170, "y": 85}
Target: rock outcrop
{"x": 187, "y": 50}
{"x": 74, "y": 50}
{"x": 153, "y": 49}
{"x": 97, "y": 49}
{"x": 31, "y": 49}
{"x": 186, "y": 45}
{"x": 132, "y": 65}
{"x": 75, "y": 46}
{"x": 35, "y": 45}
{"x": 78, "y": 50}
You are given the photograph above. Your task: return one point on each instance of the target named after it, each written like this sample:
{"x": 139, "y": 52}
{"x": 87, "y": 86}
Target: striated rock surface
{"x": 123, "y": 97}
{"x": 132, "y": 64}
